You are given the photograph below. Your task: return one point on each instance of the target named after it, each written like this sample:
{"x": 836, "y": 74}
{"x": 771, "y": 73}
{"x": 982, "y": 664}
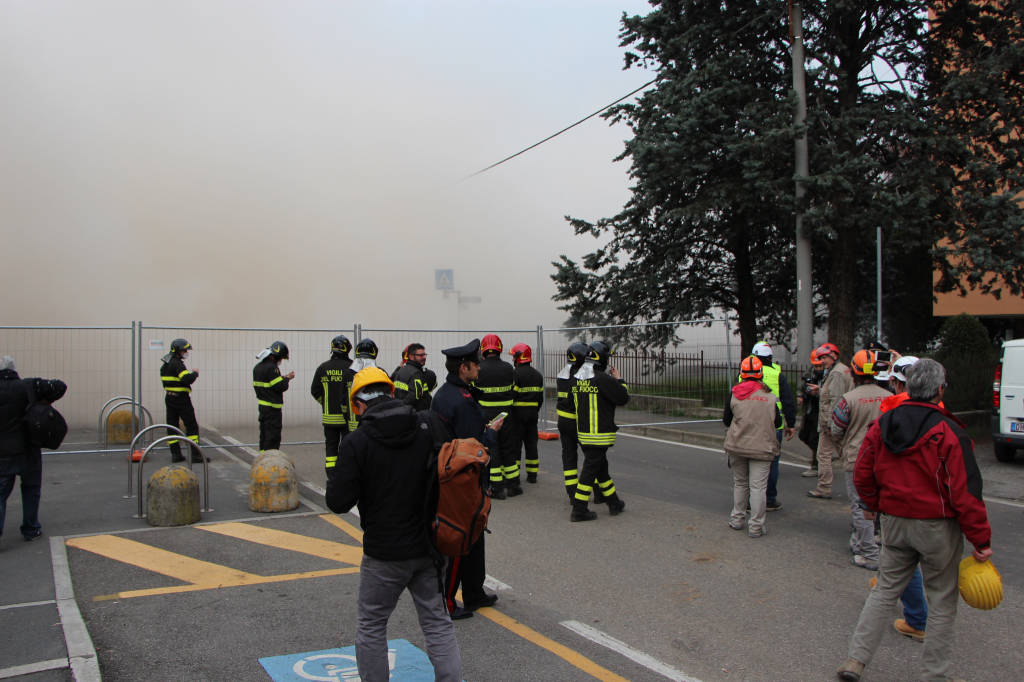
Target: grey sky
{"x": 300, "y": 163}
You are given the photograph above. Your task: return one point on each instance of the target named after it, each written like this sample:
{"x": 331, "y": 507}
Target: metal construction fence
{"x": 102, "y": 362}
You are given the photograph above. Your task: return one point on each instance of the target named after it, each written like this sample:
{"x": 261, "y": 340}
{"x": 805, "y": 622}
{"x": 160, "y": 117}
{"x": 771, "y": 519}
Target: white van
{"x": 1008, "y": 402}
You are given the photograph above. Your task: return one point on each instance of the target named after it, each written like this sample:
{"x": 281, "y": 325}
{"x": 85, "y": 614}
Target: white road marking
{"x": 27, "y": 604}
{"x": 29, "y": 668}
{"x": 629, "y": 652}
{"x": 81, "y": 652}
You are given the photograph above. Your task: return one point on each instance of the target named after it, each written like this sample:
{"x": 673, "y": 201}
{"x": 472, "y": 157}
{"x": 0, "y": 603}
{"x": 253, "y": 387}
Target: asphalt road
{"x": 664, "y": 591}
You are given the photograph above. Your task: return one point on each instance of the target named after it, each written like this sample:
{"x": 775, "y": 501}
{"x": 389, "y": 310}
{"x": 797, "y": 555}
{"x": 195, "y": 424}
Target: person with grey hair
{"x": 916, "y": 467}
{"x": 19, "y": 456}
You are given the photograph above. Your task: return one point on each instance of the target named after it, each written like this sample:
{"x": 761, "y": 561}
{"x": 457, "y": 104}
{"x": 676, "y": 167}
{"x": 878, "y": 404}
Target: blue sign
{"x": 444, "y": 279}
{"x": 407, "y": 664}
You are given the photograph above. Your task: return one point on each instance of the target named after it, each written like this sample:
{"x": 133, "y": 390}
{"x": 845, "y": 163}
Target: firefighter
{"x": 177, "y": 381}
{"x": 527, "y": 397}
{"x": 331, "y": 384}
{"x": 405, "y": 359}
{"x": 412, "y": 382}
{"x": 565, "y": 407}
{"x": 270, "y": 385}
{"x": 366, "y": 355}
{"x": 598, "y": 390}
{"x": 495, "y": 384}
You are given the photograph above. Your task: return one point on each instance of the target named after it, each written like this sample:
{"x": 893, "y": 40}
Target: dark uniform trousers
{"x": 505, "y": 457}
{"x": 526, "y": 433}
{"x": 333, "y": 436}
{"x": 570, "y": 457}
{"x": 179, "y": 407}
{"x": 595, "y": 470}
{"x": 271, "y": 423}
{"x": 468, "y": 571}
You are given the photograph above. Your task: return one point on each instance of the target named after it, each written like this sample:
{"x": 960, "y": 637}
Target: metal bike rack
{"x": 125, "y": 400}
{"x": 131, "y": 449}
{"x": 206, "y": 471}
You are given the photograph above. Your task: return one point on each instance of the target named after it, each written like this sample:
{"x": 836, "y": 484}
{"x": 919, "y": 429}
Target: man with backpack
{"x": 457, "y": 409}
{"x": 19, "y": 455}
{"x": 384, "y": 468}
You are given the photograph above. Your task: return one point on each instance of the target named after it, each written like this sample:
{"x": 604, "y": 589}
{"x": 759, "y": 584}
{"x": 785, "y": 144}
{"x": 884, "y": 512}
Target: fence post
{"x": 131, "y": 352}
{"x": 702, "y": 377}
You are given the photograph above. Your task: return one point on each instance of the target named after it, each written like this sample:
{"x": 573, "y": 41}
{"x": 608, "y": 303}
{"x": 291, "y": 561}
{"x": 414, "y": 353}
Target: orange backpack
{"x": 462, "y": 502}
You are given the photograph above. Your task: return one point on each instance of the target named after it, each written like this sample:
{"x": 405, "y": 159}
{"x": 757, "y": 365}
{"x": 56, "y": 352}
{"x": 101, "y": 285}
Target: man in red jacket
{"x": 916, "y": 466}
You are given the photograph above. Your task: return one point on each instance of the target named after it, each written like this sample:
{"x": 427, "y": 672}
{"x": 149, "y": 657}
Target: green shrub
{"x": 966, "y": 352}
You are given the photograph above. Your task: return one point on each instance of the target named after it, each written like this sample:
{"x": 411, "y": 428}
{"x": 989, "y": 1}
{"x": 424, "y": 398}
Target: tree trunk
{"x": 746, "y": 297}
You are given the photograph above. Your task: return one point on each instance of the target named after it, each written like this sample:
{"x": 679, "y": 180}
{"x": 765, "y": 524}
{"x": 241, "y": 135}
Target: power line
{"x": 568, "y": 127}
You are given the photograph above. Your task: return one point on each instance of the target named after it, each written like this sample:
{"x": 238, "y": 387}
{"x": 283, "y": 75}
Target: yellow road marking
{"x": 568, "y": 655}
{"x": 325, "y": 549}
{"x": 252, "y": 580}
{"x": 344, "y": 525}
{"x": 177, "y": 566}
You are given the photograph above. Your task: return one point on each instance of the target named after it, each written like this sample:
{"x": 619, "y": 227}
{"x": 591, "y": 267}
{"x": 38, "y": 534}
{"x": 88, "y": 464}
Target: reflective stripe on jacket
{"x": 174, "y": 376}
{"x": 268, "y": 383}
{"x": 596, "y": 398}
{"x": 495, "y": 382}
{"x": 528, "y": 389}
{"x": 330, "y": 387}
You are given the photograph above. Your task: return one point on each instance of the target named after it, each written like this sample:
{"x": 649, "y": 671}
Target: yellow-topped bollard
{"x": 119, "y": 426}
{"x": 272, "y": 484}
{"x": 172, "y": 497}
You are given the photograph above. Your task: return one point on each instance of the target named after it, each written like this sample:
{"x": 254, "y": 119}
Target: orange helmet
{"x": 827, "y": 348}
{"x": 863, "y": 363}
{"x": 814, "y": 359}
{"x": 522, "y": 353}
{"x": 750, "y": 368}
{"x": 489, "y": 343}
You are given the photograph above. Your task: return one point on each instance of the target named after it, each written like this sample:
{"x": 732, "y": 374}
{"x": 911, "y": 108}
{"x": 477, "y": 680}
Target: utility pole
{"x": 804, "y": 290}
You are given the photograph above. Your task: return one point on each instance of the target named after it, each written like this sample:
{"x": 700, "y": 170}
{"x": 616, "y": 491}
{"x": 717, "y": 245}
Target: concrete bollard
{"x": 172, "y": 497}
{"x": 272, "y": 484}
{"x": 274, "y": 453}
{"x": 119, "y": 426}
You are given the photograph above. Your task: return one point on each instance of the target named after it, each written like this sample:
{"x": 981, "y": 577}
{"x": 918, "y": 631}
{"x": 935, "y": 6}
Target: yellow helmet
{"x": 981, "y": 586}
{"x": 367, "y": 377}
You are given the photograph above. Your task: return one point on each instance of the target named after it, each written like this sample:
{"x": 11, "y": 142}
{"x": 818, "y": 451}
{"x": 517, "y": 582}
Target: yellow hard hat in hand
{"x": 981, "y": 586}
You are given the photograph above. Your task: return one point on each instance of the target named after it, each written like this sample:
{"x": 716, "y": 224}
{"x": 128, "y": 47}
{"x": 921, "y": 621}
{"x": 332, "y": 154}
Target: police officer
{"x": 597, "y": 392}
{"x": 457, "y": 408}
{"x": 496, "y": 382}
{"x": 270, "y": 386}
{"x": 565, "y": 407}
{"x": 528, "y": 396}
{"x": 177, "y": 382}
{"x": 331, "y": 384}
{"x": 412, "y": 383}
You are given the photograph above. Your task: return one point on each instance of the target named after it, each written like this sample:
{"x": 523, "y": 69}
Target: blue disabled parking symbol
{"x": 407, "y": 664}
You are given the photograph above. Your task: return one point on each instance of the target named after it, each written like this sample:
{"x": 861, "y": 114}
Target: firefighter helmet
{"x": 341, "y": 344}
{"x": 279, "y": 349}
{"x": 751, "y": 368}
{"x": 366, "y": 349}
{"x": 600, "y": 352}
{"x": 180, "y": 346}
{"x": 368, "y": 377}
{"x": 826, "y": 348}
{"x": 863, "y": 363}
{"x": 522, "y": 353}
{"x": 491, "y": 342}
{"x": 405, "y": 354}
{"x": 577, "y": 352}
{"x": 980, "y": 584}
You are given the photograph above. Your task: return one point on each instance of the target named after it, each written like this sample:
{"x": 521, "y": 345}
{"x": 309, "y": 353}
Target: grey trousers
{"x": 749, "y": 481}
{"x": 862, "y": 537}
{"x": 381, "y": 583}
{"x": 938, "y": 544}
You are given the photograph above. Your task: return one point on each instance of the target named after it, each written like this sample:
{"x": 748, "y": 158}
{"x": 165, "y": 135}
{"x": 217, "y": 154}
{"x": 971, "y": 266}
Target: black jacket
{"x": 332, "y": 382}
{"x": 565, "y": 404}
{"x": 495, "y": 384}
{"x": 268, "y": 383}
{"x": 413, "y": 385}
{"x": 455, "y": 403}
{"x": 14, "y": 398}
{"x": 177, "y": 380}
{"x": 383, "y": 467}
{"x": 528, "y": 389}
{"x": 597, "y": 394}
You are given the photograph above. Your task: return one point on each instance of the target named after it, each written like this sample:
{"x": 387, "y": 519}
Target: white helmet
{"x": 899, "y": 368}
{"x": 761, "y": 350}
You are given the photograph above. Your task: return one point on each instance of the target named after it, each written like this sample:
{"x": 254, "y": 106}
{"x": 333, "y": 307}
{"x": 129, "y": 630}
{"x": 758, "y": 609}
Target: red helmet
{"x": 828, "y": 348}
{"x": 522, "y": 353}
{"x": 863, "y": 363}
{"x": 750, "y": 368}
{"x": 815, "y": 361}
{"x": 489, "y": 343}
{"x": 405, "y": 354}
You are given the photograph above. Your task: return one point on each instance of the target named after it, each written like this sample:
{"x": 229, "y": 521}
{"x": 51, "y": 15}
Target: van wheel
{"x": 1004, "y": 453}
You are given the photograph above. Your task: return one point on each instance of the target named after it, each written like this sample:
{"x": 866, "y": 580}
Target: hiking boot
{"x": 774, "y": 505}
{"x": 616, "y": 506}
{"x": 908, "y": 630}
{"x": 817, "y": 494}
{"x": 531, "y": 478}
{"x": 757, "y": 533}
{"x": 810, "y": 473}
{"x": 850, "y": 671}
{"x": 861, "y": 562}
{"x": 583, "y": 514}
{"x": 736, "y": 525}
{"x": 458, "y": 613}
{"x": 496, "y": 492}
{"x": 32, "y": 535}
{"x": 487, "y": 600}
{"x": 514, "y": 490}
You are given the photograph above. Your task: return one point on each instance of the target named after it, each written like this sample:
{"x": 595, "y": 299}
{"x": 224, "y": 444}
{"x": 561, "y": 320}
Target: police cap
{"x": 469, "y": 350}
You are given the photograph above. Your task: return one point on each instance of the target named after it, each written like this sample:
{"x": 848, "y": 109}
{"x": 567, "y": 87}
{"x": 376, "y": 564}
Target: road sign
{"x": 444, "y": 279}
